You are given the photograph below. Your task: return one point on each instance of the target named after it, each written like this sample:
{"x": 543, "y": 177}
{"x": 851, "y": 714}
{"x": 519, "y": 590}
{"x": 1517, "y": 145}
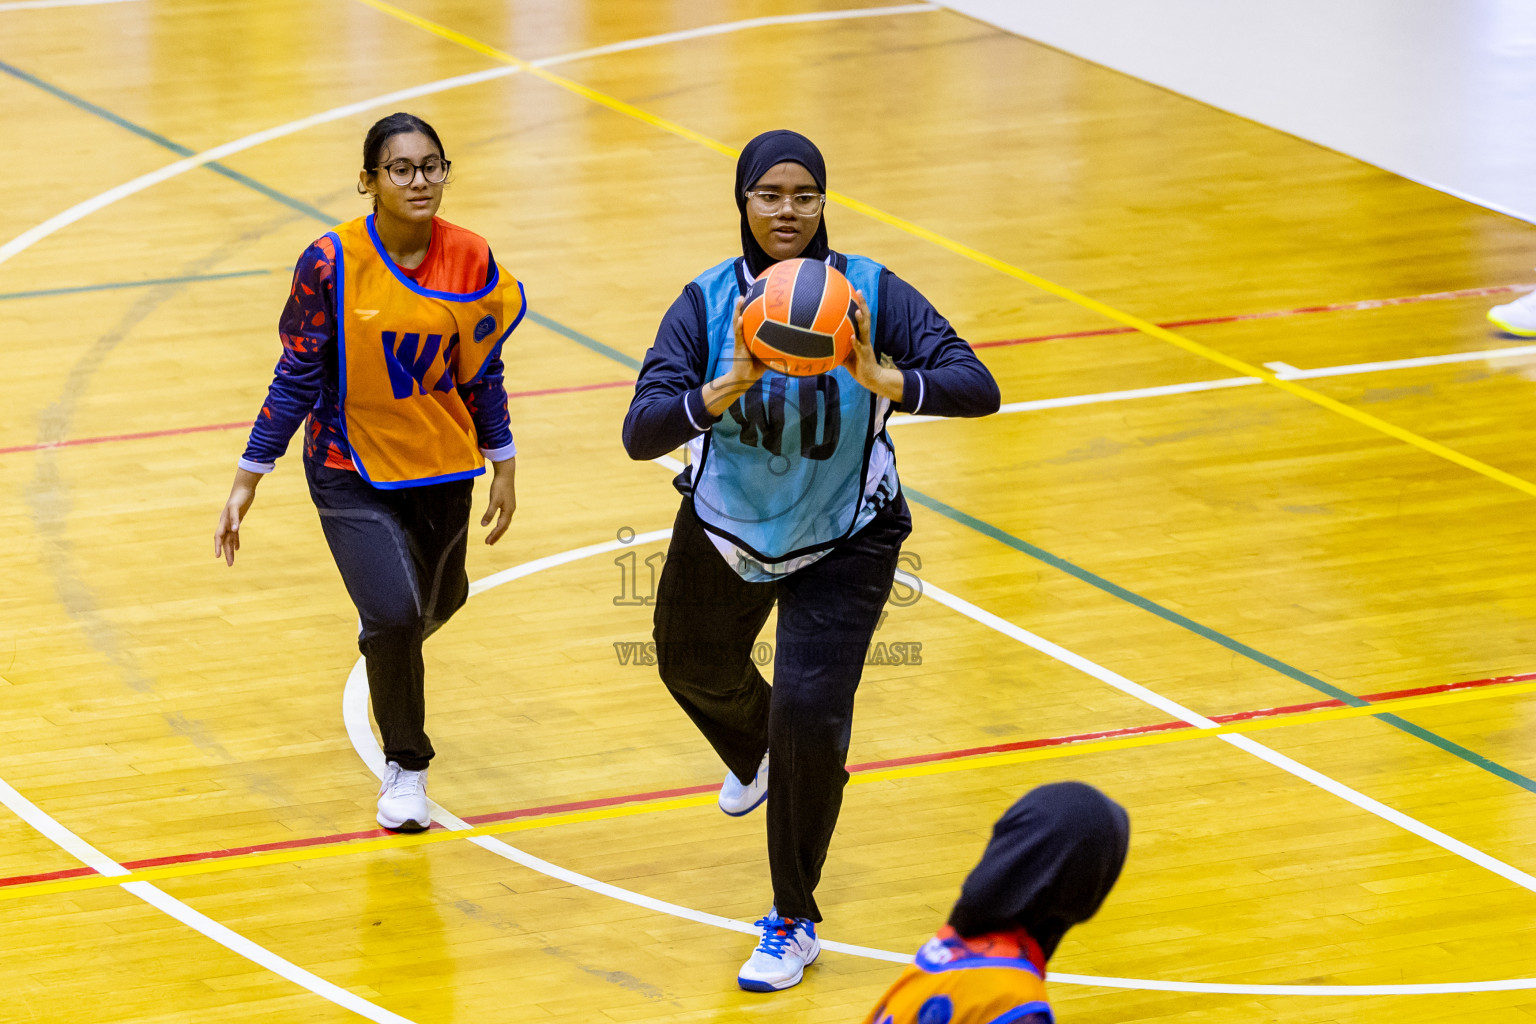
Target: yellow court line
{"x": 586, "y": 92}
{"x": 1189, "y": 345}
{"x": 311, "y": 853}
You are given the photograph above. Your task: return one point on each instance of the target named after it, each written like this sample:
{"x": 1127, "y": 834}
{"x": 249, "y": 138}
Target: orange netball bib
{"x": 958, "y": 981}
{"x": 405, "y": 351}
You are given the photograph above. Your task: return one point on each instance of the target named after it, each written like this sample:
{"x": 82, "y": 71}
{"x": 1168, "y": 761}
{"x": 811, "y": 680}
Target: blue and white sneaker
{"x": 737, "y": 799}
{"x": 788, "y": 946}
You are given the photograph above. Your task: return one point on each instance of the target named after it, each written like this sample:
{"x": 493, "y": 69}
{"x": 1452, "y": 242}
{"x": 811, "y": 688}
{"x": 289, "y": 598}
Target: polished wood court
{"x": 1231, "y": 549}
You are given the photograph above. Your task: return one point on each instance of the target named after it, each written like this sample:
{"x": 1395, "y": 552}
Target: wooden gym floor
{"x": 1202, "y": 538}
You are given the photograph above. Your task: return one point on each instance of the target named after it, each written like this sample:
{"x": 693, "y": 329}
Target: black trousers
{"x": 401, "y": 556}
{"x": 707, "y": 621}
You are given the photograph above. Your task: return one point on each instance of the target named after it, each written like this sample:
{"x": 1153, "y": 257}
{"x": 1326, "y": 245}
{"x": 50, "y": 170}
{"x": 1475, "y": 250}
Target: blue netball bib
{"x": 782, "y": 474}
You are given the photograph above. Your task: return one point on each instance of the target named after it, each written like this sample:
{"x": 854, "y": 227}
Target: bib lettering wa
{"x": 405, "y": 351}
{"x": 782, "y": 472}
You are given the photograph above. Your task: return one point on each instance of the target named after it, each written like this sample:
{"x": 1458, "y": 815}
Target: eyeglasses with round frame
{"x": 434, "y": 170}
{"x": 767, "y": 203}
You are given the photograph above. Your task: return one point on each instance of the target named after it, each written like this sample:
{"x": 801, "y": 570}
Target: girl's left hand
{"x": 862, "y": 362}
{"x": 503, "y": 499}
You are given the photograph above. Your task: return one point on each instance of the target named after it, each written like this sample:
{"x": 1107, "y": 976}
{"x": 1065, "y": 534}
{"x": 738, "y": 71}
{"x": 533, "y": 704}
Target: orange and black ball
{"x": 798, "y": 317}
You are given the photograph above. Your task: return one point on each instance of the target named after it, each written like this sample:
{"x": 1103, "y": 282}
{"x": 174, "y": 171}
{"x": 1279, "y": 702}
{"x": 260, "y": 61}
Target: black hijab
{"x": 760, "y": 156}
{"x": 1053, "y": 857}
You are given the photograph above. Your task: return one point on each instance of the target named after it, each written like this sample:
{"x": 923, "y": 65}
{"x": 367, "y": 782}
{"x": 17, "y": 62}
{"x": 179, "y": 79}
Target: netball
{"x": 799, "y": 317}
{"x": 934, "y": 418}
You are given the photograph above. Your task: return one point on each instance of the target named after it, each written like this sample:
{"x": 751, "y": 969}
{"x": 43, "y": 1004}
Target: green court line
{"x": 1236, "y": 646}
{"x": 1131, "y": 597}
{"x": 160, "y": 140}
{"x": 300, "y": 205}
{"x": 111, "y": 285}
{"x": 987, "y": 529}
{"x": 582, "y": 339}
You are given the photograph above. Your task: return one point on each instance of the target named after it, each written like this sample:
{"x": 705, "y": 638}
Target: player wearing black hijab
{"x": 791, "y": 496}
{"x": 1053, "y": 858}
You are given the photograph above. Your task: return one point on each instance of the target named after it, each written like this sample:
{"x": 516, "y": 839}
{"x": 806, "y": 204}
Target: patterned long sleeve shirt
{"x": 307, "y": 381}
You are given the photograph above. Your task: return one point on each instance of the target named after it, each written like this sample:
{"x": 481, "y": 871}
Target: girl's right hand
{"x": 745, "y": 370}
{"x": 226, "y": 539}
{"x": 747, "y": 367}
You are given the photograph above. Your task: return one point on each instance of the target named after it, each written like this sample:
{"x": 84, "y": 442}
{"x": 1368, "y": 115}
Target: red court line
{"x": 1337, "y": 307}
{"x": 573, "y": 388}
{"x": 46, "y": 876}
{"x": 662, "y": 794}
{"x": 586, "y": 805}
{"x": 1241, "y": 716}
{"x": 245, "y": 424}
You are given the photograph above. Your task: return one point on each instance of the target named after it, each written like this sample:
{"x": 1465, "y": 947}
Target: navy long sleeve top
{"x": 941, "y": 374}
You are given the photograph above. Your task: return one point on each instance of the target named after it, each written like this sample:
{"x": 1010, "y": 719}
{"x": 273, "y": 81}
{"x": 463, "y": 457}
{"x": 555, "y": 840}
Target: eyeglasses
{"x": 402, "y": 172}
{"x": 804, "y": 204}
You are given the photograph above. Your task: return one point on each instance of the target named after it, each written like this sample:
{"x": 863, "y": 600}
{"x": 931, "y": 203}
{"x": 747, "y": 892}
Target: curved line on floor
{"x": 81, "y": 210}
{"x": 355, "y": 717}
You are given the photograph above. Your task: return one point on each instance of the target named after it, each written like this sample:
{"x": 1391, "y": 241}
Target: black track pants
{"x": 707, "y": 620}
{"x": 401, "y": 556}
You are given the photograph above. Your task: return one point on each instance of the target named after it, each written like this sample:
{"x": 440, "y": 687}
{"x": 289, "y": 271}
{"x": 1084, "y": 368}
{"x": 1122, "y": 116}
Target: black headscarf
{"x": 760, "y": 156}
{"x": 1052, "y": 859}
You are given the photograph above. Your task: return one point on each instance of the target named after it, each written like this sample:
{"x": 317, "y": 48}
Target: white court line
{"x": 49, "y": 227}
{"x": 1285, "y": 371}
{"x": 1513, "y": 352}
{"x": 79, "y": 211}
{"x": 355, "y": 715}
{"x": 1279, "y": 760}
{"x": 37, "y": 5}
{"x": 163, "y": 901}
{"x": 1094, "y": 399}
{"x": 737, "y": 26}
{"x": 29, "y": 811}
{"x": 668, "y": 462}
{"x": 355, "y": 718}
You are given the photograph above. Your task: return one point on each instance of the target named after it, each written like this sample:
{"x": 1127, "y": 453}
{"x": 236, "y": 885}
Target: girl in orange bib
{"x": 392, "y": 341}
{"x": 1053, "y": 857}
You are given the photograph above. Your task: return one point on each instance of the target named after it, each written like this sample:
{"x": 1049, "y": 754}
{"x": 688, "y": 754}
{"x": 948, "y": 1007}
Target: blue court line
{"x": 1236, "y": 646}
{"x": 160, "y": 140}
{"x": 271, "y": 193}
{"x": 582, "y": 339}
{"x": 110, "y": 285}
{"x": 988, "y": 529}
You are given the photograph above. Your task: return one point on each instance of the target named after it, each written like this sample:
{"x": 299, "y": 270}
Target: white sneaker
{"x": 787, "y": 948}
{"x": 737, "y": 799}
{"x": 1518, "y": 317}
{"x": 403, "y": 800}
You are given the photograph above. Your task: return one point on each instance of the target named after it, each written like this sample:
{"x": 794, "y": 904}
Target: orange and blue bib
{"x": 987, "y": 979}
{"x": 405, "y": 351}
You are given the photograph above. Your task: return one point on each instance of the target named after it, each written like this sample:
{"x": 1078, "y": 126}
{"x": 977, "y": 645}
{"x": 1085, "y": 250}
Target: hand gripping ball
{"x": 798, "y": 318}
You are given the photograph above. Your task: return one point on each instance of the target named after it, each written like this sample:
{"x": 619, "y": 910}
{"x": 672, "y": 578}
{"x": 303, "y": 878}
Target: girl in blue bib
{"x": 791, "y": 498}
